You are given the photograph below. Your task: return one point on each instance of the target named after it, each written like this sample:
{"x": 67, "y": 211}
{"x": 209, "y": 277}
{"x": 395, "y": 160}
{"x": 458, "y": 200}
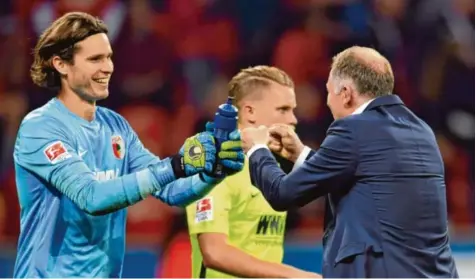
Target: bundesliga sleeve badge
{"x": 56, "y": 152}
{"x": 204, "y": 210}
{"x": 118, "y": 147}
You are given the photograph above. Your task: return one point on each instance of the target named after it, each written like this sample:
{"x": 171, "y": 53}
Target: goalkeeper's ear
{"x": 210, "y": 126}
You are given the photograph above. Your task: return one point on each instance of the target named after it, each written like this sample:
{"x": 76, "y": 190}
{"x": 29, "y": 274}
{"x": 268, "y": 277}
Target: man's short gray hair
{"x": 340, "y": 82}
{"x": 369, "y": 71}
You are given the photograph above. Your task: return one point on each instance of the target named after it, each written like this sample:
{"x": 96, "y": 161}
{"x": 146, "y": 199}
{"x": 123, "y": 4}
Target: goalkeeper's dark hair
{"x": 60, "y": 39}
{"x": 244, "y": 83}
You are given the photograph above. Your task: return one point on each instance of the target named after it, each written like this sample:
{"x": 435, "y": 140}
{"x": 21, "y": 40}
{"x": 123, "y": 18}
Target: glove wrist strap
{"x": 178, "y": 166}
{"x": 207, "y": 178}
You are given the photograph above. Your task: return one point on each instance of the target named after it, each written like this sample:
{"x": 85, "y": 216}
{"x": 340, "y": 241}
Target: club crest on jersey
{"x": 204, "y": 210}
{"x": 118, "y": 147}
{"x": 56, "y": 152}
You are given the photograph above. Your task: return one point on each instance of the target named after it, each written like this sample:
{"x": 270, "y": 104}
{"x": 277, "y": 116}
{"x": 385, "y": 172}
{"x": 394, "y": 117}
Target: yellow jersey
{"x": 238, "y": 209}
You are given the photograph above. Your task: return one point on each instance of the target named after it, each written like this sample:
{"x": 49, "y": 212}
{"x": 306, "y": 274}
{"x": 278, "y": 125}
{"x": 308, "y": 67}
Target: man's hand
{"x": 285, "y": 142}
{"x": 252, "y": 136}
{"x": 198, "y": 154}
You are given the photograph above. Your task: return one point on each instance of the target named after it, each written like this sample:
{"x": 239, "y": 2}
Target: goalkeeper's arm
{"x": 74, "y": 179}
{"x": 48, "y": 153}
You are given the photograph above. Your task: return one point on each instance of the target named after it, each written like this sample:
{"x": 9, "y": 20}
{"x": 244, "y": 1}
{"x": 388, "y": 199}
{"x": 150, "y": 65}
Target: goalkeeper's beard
{"x": 89, "y": 94}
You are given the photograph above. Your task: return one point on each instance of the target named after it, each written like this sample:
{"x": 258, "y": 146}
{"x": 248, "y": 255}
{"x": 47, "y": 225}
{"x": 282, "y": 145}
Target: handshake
{"x": 200, "y": 154}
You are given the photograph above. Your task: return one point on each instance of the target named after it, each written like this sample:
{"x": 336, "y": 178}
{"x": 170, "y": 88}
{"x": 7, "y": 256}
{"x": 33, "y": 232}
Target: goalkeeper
{"x": 78, "y": 165}
{"x": 234, "y": 231}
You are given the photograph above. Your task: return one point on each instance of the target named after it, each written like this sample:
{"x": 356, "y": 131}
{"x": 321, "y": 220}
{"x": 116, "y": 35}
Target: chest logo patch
{"x": 118, "y": 147}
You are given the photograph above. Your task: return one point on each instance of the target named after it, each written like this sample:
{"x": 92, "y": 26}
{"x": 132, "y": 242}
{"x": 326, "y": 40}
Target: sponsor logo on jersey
{"x": 56, "y": 152}
{"x": 118, "y": 146}
{"x": 106, "y": 174}
{"x": 271, "y": 225}
{"x": 204, "y": 210}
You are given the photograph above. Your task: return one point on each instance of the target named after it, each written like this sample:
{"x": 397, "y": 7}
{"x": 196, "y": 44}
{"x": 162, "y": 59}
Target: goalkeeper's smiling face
{"x": 91, "y": 71}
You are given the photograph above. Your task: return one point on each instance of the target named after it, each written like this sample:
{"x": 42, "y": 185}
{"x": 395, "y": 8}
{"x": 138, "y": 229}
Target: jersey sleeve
{"x": 180, "y": 192}
{"x": 44, "y": 148}
{"x": 210, "y": 214}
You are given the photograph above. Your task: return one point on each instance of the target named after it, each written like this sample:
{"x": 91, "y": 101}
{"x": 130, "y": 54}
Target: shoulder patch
{"x": 56, "y": 152}
{"x": 204, "y": 210}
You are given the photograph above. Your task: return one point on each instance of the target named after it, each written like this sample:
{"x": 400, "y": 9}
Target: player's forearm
{"x": 102, "y": 197}
{"x": 184, "y": 191}
{"x": 230, "y": 260}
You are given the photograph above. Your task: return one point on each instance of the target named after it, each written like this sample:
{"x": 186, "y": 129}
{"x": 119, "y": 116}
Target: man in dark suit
{"x": 379, "y": 168}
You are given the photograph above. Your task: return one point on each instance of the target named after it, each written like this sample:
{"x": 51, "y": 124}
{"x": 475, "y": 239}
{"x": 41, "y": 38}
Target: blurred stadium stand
{"x": 172, "y": 62}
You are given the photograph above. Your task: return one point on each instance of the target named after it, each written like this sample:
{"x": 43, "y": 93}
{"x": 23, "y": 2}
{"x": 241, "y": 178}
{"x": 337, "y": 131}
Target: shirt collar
{"x": 362, "y": 107}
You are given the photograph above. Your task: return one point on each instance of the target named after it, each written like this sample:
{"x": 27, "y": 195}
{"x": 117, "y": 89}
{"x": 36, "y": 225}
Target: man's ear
{"x": 347, "y": 92}
{"x": 248, "y": 113}
{"x": 59, "y": 65}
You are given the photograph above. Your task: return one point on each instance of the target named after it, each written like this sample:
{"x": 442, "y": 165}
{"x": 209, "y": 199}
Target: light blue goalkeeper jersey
{"x": 74, "y": 179}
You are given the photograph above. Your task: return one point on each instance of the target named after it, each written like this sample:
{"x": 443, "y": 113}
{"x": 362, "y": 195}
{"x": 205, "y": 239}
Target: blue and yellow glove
{"x": 230, "y": 156}
{"x": 197, "y": 155}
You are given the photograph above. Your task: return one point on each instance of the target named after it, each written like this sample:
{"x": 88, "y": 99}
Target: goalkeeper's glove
{"x": 197, "y": 155}
{"x": 230, "y": 156}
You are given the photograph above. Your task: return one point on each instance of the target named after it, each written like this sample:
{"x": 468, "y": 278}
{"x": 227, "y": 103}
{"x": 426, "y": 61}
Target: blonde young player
{"x": 234, "y": 231}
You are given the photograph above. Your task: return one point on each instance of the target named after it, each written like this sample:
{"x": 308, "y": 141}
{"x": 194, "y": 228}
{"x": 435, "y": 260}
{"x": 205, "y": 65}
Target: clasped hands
{"x": 280, "y": 139}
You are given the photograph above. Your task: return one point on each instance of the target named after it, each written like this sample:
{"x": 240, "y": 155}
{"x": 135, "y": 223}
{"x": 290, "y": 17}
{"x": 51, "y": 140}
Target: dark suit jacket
{"x": 383, "y": 175}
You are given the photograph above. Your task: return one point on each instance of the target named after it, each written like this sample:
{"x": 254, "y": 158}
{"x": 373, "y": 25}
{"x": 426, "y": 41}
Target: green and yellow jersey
{"x": 238, "y": 209}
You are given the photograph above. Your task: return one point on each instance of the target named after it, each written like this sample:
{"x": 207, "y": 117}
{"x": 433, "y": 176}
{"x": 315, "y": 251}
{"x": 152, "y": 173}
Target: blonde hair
{"x": 244, "y": 83}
